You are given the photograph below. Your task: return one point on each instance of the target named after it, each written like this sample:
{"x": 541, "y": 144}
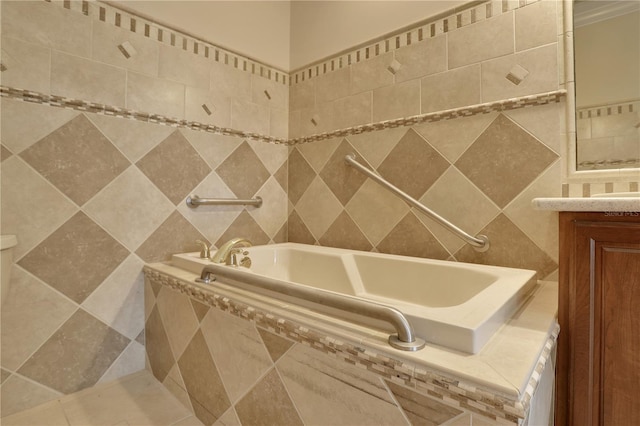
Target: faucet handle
{"x": 204, "y": 249}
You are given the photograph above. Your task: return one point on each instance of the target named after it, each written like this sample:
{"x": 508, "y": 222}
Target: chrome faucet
{"x": 228, "y": 252}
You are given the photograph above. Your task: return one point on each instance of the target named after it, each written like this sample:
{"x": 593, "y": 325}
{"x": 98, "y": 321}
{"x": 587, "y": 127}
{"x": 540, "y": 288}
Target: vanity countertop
{"x": 594, "y": 204}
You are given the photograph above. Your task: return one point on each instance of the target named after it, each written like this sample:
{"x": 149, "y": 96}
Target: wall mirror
{"x": 607, "y": 76}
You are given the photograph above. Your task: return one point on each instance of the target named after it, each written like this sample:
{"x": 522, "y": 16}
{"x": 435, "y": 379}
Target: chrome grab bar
{"x": 479, "y": 243}
{"x": 404, "y": 340}
{"x": 194, "y": 201}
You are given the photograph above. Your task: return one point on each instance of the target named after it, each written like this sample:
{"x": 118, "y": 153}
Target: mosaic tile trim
{"x": 85, "y": 106}
{"x": 588, "y": 189}
{"x": 144, "y": 27}
{"x": 607, "y": 163}
{"x": 449, "y": 390}
{"x": 611, "y": 109}
{"x": 429, "y": 28}
{"x": 467, "y": 111}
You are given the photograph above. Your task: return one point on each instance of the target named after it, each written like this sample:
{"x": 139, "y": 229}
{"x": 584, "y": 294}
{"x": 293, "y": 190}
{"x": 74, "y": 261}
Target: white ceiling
{"x": 287, "y": 34}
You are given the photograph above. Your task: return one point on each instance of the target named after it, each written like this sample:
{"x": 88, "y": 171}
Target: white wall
{"x": 288, "y": 34}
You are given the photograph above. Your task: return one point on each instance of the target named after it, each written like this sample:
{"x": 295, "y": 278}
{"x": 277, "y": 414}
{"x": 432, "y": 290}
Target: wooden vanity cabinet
{"x": 598, "y": 363}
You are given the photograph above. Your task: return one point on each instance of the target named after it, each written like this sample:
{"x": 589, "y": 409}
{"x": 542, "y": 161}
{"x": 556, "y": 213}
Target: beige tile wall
{"x": 480, "y": 172}
{"x": 92, "y": 197}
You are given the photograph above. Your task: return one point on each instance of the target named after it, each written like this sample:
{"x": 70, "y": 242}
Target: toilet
{"x": 7, "y": 242}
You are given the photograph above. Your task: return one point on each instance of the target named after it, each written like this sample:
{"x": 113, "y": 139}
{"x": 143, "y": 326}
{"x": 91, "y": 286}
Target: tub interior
{"x": 451, "y": 304}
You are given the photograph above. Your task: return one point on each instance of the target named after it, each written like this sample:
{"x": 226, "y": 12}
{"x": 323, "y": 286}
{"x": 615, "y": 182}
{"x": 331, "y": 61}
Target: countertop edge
{"x": 620, "y": 204}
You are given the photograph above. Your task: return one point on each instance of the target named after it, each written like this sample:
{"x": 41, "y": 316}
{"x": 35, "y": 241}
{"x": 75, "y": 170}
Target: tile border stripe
{"x": 454, "y": 392}
{"x": 467, "y": 111}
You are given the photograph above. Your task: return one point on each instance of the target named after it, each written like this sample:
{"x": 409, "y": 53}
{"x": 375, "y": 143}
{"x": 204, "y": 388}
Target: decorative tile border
{"x": 431, "y": 27}
{"x": 450, "y": 390}
{"x": 146, "y": 28}
{"x": 587, "y": 189}
{"x": 80, "y": 105}
{"x": 611, "y": 109}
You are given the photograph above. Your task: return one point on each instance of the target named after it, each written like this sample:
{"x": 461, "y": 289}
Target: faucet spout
{"x": 223, "y": 255}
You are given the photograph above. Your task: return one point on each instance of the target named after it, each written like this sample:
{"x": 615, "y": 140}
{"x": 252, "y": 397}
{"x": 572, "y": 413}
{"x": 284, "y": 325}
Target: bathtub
{"x": 455, "y": 305}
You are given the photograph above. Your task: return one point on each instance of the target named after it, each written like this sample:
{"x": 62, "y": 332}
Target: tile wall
{"x": 480, "y": 171}
{"x": 93, "y": 197}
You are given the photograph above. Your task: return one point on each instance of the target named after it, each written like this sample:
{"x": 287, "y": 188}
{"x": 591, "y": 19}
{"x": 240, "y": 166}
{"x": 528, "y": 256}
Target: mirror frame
{"x": 571, "y": 174}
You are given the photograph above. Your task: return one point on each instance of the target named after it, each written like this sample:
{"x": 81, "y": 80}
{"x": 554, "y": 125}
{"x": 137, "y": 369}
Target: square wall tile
{"x": 450, "y": 89}
{"x": 28, "y": 65}
{"x": 184, "y": 67}
{"x": 536, "y": 24}
{"x": 155, "y": 95}
{"x": 483, "y": 40}
{"x": 371, "y": 74}
{"x": 421, "y": 59}
{"x": 397, "y": 101}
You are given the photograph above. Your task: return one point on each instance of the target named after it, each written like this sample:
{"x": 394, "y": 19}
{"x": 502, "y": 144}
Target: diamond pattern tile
{"x": 84, "y": 345}
{"x": 174, "y": 166}
{"x": 246, "y": 227}
{"x": 214, "y": 149}
{"x": 77, "y": 159}
{"x": 276, "y": 345}
{"x": 376, "y": 211}
{"x": 342, "y": 179}
{"x": 272, "y": 156}
{"x": 175, "y": 235}
{"x": 273, "y": 213}
{"x": 241, "y": 361}
{"x": 344, "y": 233}
{"x": 504, "y": 160}
{"x": 410, "y": 238}
{"x": 318, "y": 207}
{"x": 301, "y": 175}
{"x": 282, "y": 176}
{"x": 179, "y": 319}
{"x": 130, "y": 208}
{"x": 413, "y": 165}
{"x": 4, "y": 153}
{"x": 317, "y": 154}
{"x": 375, "y": 146}
{"x": 76, "y": 258}
{"x": 161, "y": 359}
{"x": 204, "y": 385}
{"x": 268, "y": 403}
{"x": 18, "y": 215}
{"x": 243, "y": 172}
{"x": 509, "y": 247}
{"x": 466, "y": 206}
{"x": 297, "y": 231}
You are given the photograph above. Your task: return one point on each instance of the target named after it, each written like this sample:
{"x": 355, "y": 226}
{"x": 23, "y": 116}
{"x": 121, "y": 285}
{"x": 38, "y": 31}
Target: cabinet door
{"x": 601, "y": 312}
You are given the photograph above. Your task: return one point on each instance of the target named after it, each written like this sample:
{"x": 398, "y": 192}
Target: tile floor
{"x": 135, "y": 400}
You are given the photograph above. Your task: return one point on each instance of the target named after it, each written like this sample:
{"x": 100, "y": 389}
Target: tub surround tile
{"x": 203, "y": 383}
{"x": 275, "y": 345}
{"x": 388, "y": 208}
{"x": 410, "y": 238}
{"x": 274, "y": 216}
{"x": 302, "y": 175}
{"x": 200, "y": 309}
{"x": 86, "y": 346}
{"x": 4, "y": 375}
{"x": 243, "y": 172}
{"x": 18, "y": 215}
{"x": 282, "y": 176}
{"x": 509, "y": 247}
{"x": 76, "y": 258}
{"x": 297, "y": 231}
{"x": 272, "y": 157}
{"x": 421, "y": 59}
{"x": 328, "y": 87}
{"x": 175, "y": 235}
{"x": 536, "y": 25}
{"x": 4, "y": 153}
{"x": 268, "y": 403}
{"x": 230, "y": 418}
{"x": 353, "y": 110}
{"x": 241, "y": 362}
{"x": 276, "y": 96}
{"x": 344, "y": 233}
{"x": 371, "y": 74}
{"x": 420, "y": 409}
{"x": 396, "y": 101}
{"x": 179, "y": 319}
{"x": 130, "y": 361}
{"x": 174, "y": 383}
{"x": 183, "y": 67}
{"x": 343, "y": 181}
{"x": 504, "y": 160}
{"x": 318, "y": 207}
{"x": 544, "y": 122}
{"x": 204, "y": 106}
{"x": 164, "y": 166}
{"x": 413, "y": 165}
{"x": 227, "y": 82}
{"x": 130, "y": 208}
{"x": 246, "y": 227}
{"x": 79, "y": 169}
{"x": 213, "y": 149}
{"x": 159, "y": 352}
{"x": 249, "y": 116}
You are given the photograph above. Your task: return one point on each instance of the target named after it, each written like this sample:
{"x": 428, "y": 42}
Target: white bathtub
{"x": 456, "y": 305}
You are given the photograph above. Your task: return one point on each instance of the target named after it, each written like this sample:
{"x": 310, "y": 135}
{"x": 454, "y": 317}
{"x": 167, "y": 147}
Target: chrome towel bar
{"x": 479, "y": 243}
{"x": 405, "y": 338}
{"x": 194, "y": 201}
